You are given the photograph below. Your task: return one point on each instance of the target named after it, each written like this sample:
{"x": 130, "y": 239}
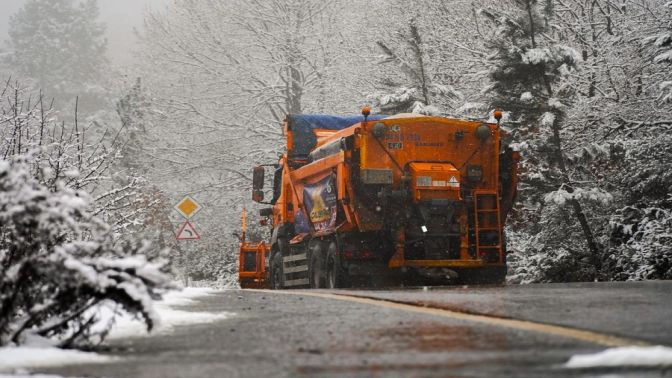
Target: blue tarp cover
{"x": 302, "y": 126}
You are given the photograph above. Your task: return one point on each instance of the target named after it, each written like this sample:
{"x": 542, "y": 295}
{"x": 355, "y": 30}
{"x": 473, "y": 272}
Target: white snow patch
{"x": 553, "y": 102}
{"x": 522, "y": 146}
{"x": 472, "y": 106}
{"x": 20, "y": 357}
{"x": 128, "y": 326}
{"x": 39, "y": 352}
{"x": 430, "y": 110}
{"x": 526, "y": 97}
{"x": 624, "y": 356}
{"x": 595, "y": 195}
{"x": 548, "y": 119}
{"x": 664, "y": 57}
{"x": 73, "y": 173}
{"x": 537, "y": 55}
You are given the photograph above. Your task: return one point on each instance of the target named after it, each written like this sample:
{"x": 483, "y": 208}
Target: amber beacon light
{"x": 498, "y": 115}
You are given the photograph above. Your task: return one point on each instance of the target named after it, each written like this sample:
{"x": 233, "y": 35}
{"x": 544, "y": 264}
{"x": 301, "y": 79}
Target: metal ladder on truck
{"x": 488, "y": 227}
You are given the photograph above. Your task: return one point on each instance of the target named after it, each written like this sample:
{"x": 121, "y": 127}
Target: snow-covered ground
{"x": 12, "y": 358}
{"x": 39, "y": 353}
{"x": 624, "y": 356}
{"x": 126, "y": 326}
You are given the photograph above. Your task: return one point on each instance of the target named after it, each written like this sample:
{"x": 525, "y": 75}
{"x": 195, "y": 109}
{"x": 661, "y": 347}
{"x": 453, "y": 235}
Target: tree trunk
{"x": 576, "y": 205}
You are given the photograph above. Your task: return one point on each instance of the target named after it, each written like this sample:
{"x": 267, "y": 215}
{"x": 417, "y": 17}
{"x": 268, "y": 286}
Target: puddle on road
{"x": 419, "y": 347}
{"x": 378, "y": 370}
{"x": 421, "y": 337}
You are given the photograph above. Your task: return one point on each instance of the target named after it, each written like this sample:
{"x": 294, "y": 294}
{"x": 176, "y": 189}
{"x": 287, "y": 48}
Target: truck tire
{"x": 277, "y": 274}
{"x": 336, "y": 278}
{"x": 316, "y": 276}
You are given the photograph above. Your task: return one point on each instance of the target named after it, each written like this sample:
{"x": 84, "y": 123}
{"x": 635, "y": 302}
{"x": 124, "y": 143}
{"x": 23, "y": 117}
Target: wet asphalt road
{"x": 280, "y": 335}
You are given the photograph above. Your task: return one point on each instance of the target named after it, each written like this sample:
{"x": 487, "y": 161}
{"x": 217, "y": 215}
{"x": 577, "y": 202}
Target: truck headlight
{"x": 378, "y": 130}
{"x": 483, "y": 132}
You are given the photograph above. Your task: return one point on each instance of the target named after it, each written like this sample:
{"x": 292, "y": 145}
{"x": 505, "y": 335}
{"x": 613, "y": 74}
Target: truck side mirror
{"x": 258, "y": 178}
{"x": 258, "y": 184}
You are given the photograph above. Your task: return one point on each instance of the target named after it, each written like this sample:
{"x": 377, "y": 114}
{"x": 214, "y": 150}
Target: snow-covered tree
{"x": 411, "y": 61}
{"x": 661, "y": 42}
{"x": 640, "y": 242}
{"x": 427, "y": 64}
{"x": 530, "y": 79}
{"x": 61, "y": 45}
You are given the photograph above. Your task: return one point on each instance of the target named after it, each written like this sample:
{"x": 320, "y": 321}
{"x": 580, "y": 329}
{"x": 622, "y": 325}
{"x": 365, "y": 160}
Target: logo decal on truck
{"x": 321, "y": 204}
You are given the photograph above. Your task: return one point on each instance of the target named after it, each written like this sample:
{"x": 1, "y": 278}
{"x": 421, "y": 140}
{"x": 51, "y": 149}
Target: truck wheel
{"x": 277, "y": 274}
{"x": 336, "y": 278}
{"x": 483, "y": 276}
{"x": 316, "y": 268}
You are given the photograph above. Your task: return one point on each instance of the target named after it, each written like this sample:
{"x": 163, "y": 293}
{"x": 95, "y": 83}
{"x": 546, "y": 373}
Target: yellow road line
{"x": 526, "y": 325}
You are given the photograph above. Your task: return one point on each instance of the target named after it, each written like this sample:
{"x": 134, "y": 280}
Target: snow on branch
{"x": 561, "y": 196}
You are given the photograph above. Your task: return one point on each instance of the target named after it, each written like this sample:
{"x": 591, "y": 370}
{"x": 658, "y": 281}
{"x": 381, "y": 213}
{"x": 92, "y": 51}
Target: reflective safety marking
{"x": 423, "y": 181}
{"x": 562, "y": 331}
{"x": 295, "y": 269}
{"x": 453, "y": 182}
{"x": 292, "y": 258}
{"x": 298, "y": 282}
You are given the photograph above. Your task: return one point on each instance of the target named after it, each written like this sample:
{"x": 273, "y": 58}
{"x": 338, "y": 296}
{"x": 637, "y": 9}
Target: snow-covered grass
{"x": 624, "y": 356}
{"x": 38, "y": 352}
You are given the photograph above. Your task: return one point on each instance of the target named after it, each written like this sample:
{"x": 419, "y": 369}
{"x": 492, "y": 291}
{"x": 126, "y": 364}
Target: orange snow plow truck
{"x": 362, "y": 200}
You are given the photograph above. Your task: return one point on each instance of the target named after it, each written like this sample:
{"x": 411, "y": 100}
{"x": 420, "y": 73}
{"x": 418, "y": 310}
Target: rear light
{"x": 475, "y": 173}
{"x": 363, "y": 254}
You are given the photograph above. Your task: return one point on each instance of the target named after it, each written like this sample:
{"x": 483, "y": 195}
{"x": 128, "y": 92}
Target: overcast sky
{"x": 120, "y": 16}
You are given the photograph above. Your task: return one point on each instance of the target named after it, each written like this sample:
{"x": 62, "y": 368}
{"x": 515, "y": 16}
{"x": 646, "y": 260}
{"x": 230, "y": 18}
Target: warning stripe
{"x": 526, "y": 325}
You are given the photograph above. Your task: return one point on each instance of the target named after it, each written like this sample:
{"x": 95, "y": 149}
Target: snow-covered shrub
{"x": 61, "y": 221}
{"x": 57, "y": 261}
{"x": 547, "y": 253}
{"x": 643, "y": 244}
{"x": 640, "y": 229}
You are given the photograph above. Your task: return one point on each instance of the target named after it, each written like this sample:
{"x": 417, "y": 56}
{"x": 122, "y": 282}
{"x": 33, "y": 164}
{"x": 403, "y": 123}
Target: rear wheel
{"x": 277, "y": 274}
{"x": 316, "y": 268}
{"x": 336, "y": 278}
{"x": 492, "y": 275}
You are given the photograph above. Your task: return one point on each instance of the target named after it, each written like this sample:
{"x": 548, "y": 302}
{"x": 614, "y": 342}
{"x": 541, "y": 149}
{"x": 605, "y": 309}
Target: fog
{"x": 121, "y": 17}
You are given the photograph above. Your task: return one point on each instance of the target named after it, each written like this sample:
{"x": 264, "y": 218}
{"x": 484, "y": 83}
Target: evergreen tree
{"x": 60, "y": 44}
{"x": 529, "y": 80}
{"x": 134, "y": 110}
